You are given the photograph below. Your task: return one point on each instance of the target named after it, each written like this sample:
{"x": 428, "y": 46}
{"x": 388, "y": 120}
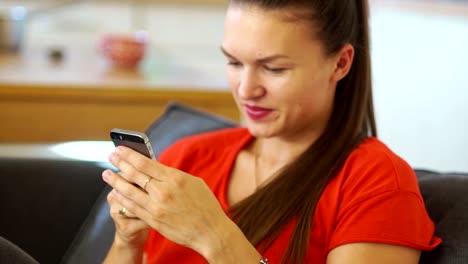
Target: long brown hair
{"x": 294, "y": 193}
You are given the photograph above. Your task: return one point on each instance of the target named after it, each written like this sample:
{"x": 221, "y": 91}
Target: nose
{"x": 250, "y": 87}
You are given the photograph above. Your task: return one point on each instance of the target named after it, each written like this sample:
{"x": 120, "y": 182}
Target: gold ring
{"x": 146, "y": 183}
{"x": 122, "y": 211}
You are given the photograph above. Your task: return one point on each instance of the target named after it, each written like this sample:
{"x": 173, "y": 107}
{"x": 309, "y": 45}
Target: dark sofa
{"x": 56, "y": 210}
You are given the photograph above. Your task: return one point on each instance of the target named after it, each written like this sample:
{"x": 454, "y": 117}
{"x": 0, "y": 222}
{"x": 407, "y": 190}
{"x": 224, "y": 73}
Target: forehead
{"x": 257, "y": 31}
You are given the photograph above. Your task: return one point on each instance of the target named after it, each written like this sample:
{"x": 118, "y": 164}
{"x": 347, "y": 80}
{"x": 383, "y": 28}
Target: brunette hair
{"x": 294, "y": 193}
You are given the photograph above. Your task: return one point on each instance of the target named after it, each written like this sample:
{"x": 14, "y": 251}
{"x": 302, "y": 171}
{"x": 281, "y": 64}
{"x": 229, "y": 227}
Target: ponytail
{"x": 293, "y": 195}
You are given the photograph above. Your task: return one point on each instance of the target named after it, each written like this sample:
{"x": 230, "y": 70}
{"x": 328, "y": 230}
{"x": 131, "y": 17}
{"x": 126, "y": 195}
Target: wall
{"x": 421, "y": 85}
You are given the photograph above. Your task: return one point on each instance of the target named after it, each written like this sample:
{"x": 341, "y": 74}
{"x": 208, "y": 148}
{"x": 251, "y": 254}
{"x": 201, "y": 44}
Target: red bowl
{"x": 124, "y": 51}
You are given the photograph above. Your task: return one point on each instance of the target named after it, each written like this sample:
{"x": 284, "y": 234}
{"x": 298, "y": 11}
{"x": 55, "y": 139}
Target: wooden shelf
{"x": 40, "y": 114}
{"x": 83, "y": 97}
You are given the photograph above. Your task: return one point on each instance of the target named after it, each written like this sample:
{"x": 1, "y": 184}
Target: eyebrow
{"x": 261, "y": 60}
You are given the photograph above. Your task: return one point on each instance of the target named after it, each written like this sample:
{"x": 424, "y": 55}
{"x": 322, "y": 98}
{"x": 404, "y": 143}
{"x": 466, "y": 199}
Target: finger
{"x": 131, "y": 172}
{"x": 117, "y": 210}
{"x": 140, "y": 162}
{"x": 140, "y": 212}
{"x": 134, "y": 196}
{"x": 156, "y": 188}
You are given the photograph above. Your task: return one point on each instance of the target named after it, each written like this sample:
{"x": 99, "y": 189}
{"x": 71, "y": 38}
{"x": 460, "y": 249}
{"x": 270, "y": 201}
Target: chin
{"x": 261, "y": 130}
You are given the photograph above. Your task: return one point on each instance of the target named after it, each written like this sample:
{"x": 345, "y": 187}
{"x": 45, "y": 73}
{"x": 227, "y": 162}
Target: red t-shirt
{"x": 374, "y": 198}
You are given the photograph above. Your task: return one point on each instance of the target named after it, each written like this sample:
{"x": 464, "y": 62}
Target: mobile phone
{"x": 135, "y": 140}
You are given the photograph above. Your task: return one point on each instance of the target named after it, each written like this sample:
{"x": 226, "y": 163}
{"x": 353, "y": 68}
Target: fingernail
{"x": 116, "y": 193}
{"x": 118, "y": 149}
{"x": 111, "y": 156}
{"x": 106, "y": 175}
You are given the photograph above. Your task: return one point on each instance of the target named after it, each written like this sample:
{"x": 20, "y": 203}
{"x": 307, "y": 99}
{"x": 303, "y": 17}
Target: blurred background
{"x": 73, "y": 70}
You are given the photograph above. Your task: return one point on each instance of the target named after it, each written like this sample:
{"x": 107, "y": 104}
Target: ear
{"x": 343, "y": 62}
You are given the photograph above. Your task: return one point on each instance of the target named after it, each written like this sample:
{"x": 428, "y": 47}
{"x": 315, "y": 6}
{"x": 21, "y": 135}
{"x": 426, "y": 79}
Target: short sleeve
{"x": 394, "y": 217}
{"x": 380, "y": 202}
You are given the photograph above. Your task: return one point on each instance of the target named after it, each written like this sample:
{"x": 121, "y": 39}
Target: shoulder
{"x": 374, "y": 167}
{"x": 205, "y": 145}
{"x": 373, "y": 150}
{"x": 376, "y": 198}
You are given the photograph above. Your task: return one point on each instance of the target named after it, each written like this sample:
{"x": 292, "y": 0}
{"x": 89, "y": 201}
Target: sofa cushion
{"x": 95, "y": 236}
{"x": 179, "y": 121}
{"x": 446, "y": 199}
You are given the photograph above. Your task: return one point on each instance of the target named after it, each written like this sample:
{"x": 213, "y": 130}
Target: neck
{"x": 272, "y": 154}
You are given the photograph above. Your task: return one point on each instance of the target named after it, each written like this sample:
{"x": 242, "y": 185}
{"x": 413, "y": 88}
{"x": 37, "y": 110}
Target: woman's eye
{"x": 234, "y": 63}
{"x": 275, "y": 70}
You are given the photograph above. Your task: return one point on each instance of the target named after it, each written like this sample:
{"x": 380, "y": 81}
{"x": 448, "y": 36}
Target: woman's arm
{"x": 123, "y": 253}
{"x": 231, "y": 247}
{"x": 370, "y": 253}
{"x": 130, "y": 234}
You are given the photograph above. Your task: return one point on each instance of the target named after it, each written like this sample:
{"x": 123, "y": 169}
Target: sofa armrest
{"x": 44, "y": 202}
{"x": 446, "y": 199}
{"x": 12, "y": 254}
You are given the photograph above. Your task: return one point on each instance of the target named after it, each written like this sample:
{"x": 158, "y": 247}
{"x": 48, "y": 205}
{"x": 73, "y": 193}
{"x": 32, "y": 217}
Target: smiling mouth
{"x": 256, "y": 112}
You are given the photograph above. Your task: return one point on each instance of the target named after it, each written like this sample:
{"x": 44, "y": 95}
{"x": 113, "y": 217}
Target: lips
{"x": 256, "y": 112}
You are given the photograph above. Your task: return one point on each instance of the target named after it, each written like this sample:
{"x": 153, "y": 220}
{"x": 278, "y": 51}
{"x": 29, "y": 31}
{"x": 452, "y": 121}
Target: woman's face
{"x": 279, "y": 74}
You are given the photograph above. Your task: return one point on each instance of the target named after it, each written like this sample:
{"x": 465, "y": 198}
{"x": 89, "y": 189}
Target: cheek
{"x": 305, "y": 98}
{"x": 233, "y": 79}
{"x": 233, "y": 82}
{"x": 291, "y": 91}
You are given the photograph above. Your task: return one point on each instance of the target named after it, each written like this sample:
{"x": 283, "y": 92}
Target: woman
{"x": 305, "y": 182}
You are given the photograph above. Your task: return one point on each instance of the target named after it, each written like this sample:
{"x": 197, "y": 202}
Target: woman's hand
{"x": 179, "y": 206}
{"x": 131, "y": 233}
{"x": 129, "y": 230}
